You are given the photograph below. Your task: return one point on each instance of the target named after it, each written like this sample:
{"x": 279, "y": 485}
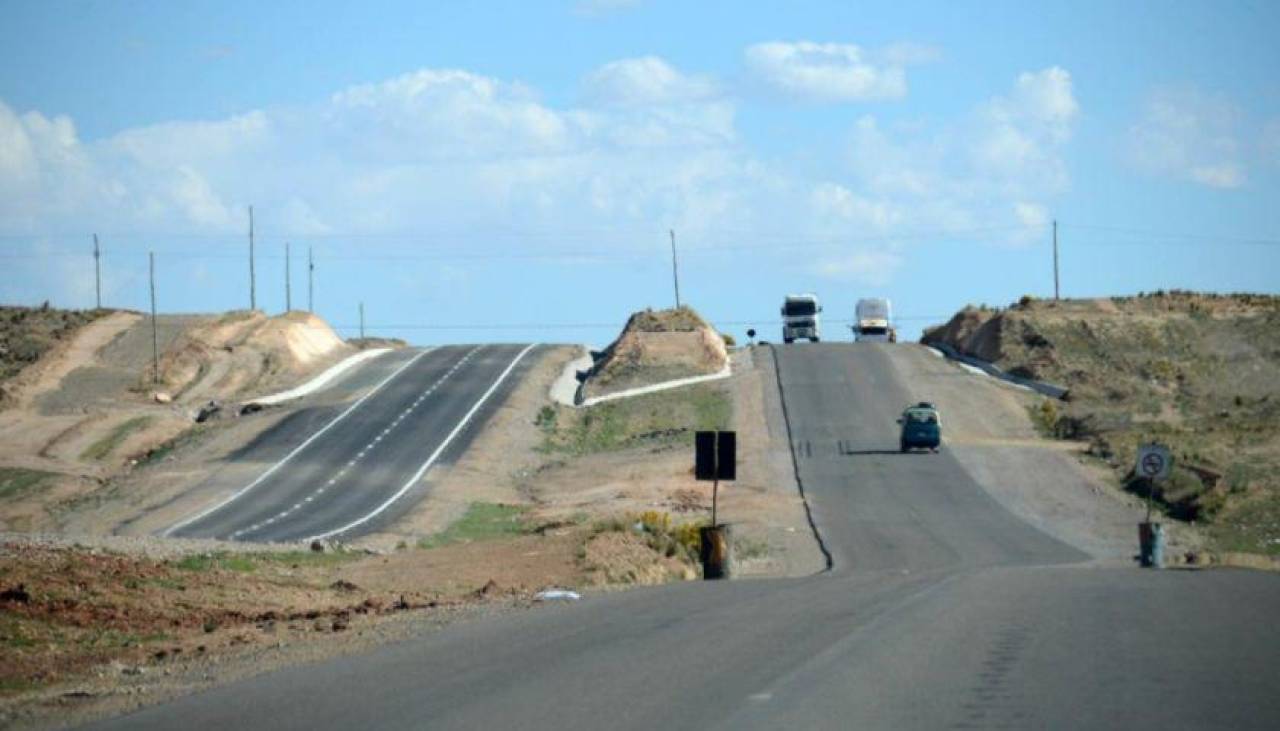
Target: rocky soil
{"x": 1197, "y": 372}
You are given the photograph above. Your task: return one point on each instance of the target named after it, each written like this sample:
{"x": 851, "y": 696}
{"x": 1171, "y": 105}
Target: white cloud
{"x": 829, "y": 72}
{"x": 839, "y": 202}
{"x": 411, "y": 151}
{"x": 1188, "y": 135}
{"x": 996, "y": 168}
{"x": 643, "y": 81}
{"x": 873, "y": 268}
{"x": 460, "y": 155}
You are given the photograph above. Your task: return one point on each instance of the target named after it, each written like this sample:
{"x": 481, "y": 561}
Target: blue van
{"x": 921, "y": 427}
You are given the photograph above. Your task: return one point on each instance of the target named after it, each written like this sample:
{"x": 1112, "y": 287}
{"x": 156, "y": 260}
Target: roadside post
{"x": 1154, "y": 464}
{"x": 715, "y": 459}
{"x": 751, "y": 336}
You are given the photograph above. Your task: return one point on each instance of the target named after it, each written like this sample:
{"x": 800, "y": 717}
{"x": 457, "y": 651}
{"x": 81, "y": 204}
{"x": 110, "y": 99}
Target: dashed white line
{"x": 369, "y": 446}
{"x": 434, "y": 455}
{"x": 271, "y": 470}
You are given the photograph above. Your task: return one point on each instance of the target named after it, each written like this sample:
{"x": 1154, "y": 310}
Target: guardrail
{"x": 1048, "y": 389}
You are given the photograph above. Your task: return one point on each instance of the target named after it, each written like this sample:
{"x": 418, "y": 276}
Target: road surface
{"x": 942, "y": 610}
{"x": 342, "y": 470}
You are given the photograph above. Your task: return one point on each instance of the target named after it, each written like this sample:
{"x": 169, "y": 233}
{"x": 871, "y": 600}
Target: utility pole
{"x": 311, "y": 271}
{"x": 675, "y": 272}
{"x": 362, "y": 321}
{"x": 288, "y": 292}
{"x": 97, "y": 274}
{"x": 155, "y": 337}
{"x": 253, "y": 295}
{"x": 1055, "y": 259}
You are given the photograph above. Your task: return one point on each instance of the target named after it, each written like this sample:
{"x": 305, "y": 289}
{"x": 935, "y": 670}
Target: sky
{"x": 481, "y": 172}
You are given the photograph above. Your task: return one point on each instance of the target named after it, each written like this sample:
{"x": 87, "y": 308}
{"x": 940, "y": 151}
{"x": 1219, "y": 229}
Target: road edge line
{"x": 168, "y": 532}
{"x": 462, "y": 423}
{"x": 795, "y": 464}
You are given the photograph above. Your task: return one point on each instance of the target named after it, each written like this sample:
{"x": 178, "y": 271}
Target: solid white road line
{"x": 343, "y": 471}
{"x": 270, "y": 471}
{"x": 434, "y": 455}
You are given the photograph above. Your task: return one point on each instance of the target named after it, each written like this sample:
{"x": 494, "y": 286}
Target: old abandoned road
{"x": 941, "y": 610}
{"x": 340, "y": 471}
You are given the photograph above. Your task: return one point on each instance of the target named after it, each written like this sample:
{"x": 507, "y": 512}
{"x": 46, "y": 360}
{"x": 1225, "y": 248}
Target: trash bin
{"x": 1151, "y": 545}
{"x": 716, "y": 551}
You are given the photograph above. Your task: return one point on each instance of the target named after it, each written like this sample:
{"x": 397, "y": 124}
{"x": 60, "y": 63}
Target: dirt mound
{"x": 1198, "y": 372}
{"x": 244, "y": 353}
{"x": 657, "y": 346}
{"x": 27, "y": 333}
{"x": 88, "y": 410}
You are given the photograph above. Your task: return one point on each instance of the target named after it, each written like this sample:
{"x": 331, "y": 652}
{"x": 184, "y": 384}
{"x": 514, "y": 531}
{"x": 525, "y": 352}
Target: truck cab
{"x": 872, "y": 321}
{"x": 800, "y": 318}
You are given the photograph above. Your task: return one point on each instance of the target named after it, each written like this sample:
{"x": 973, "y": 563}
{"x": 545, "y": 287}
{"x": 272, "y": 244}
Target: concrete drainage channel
{"x": 567, "y": 389}
{"x": 1048, "y": 389}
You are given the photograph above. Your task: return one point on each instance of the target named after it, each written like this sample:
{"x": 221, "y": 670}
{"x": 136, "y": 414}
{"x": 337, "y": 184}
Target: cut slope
{"x": 657, "y": 346}
{"x": 88, "y": 408}
{"x": 1198, "y": 372}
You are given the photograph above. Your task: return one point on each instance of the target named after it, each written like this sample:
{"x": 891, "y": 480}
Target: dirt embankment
{"x": 1197, "y": 372}
{"x": 656, "y": 346}
{"x": 27, "y": 333}
{"x": 91, "y": 405}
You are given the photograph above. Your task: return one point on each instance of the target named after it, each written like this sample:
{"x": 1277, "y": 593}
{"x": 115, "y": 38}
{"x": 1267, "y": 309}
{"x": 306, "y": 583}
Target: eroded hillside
{"x": 1198, "y": 372}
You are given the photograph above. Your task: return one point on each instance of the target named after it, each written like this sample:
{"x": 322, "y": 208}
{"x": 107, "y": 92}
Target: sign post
{"x": 1154, "y": 464}
{"x": 715, "y": 459}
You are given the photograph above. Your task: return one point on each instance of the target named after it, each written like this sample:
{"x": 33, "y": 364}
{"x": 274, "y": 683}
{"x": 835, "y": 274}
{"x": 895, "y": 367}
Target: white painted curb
{"x": 321, "y": 380}
{"x": 665, "y": 385}
{"x": 565, "y": 386}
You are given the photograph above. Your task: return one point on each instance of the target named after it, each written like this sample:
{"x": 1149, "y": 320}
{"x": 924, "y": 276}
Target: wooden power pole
{"x": 1055, "y": 259}
{"x": 253, "y": 294}
{"x": 675, "y": 271}
{"x": 97, "y": 274}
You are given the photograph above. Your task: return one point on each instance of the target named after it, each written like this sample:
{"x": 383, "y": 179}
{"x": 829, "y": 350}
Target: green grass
{"x": 17, "y": 481}
{"x": 108, "y": 444}
{"x": 250, "y": 562}
{"x": 666, "y": 417}
{"x": 481, "y": 522}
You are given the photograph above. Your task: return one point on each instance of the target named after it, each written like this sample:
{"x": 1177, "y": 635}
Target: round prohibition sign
{"x": 1152, "y": 465}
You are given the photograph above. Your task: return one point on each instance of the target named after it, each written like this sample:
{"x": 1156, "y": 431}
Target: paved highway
{"x": 942, "y": 610}
{"x": 341, "y": 470}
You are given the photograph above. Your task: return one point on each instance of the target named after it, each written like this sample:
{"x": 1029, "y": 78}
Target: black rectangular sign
{"x": 715, "y": 455}
{"x": 727, "y": 455}
{"x": 704, "y": 446}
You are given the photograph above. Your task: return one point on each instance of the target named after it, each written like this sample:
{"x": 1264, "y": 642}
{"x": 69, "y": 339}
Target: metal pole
{"x": 1055, "y": 259}
{"x": 715, "y": 498}
{"x": 362, "y": 321}
{"x": 1150, "y": 488}
{"x": 288, "y": 294}
{"x": 675, "y": 272}
{"x": 97, "y": 274}
{"x": 253, "y": 294}
{"x": 311, "y": 269}
{"x": 155, "y": 337}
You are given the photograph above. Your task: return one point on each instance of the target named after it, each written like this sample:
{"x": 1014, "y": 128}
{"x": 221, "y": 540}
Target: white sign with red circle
{"x": 1154, "y": 462}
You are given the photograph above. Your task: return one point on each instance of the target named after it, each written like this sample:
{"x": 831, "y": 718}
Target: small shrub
{"x": 546, "y": 418}
{"x": 729, "y": 340}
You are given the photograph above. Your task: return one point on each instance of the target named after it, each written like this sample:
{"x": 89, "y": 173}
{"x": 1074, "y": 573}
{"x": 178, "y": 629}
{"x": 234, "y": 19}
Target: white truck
{"x": 800, "y": 317}
{"x": 872, "y": 321}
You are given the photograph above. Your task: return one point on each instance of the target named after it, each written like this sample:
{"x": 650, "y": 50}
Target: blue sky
{"x": 510, "y": 171}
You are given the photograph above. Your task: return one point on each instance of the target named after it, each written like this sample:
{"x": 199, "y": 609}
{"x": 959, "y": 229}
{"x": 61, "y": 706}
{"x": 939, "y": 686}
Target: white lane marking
{"x": 360, "y": 455}
{"x": 434, "y": 455}
{"x": 271, "y": 470}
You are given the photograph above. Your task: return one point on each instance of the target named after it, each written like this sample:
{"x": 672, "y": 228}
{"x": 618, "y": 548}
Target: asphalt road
{"x": 942, "y": 610}
{"x": 338, "y": 470}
